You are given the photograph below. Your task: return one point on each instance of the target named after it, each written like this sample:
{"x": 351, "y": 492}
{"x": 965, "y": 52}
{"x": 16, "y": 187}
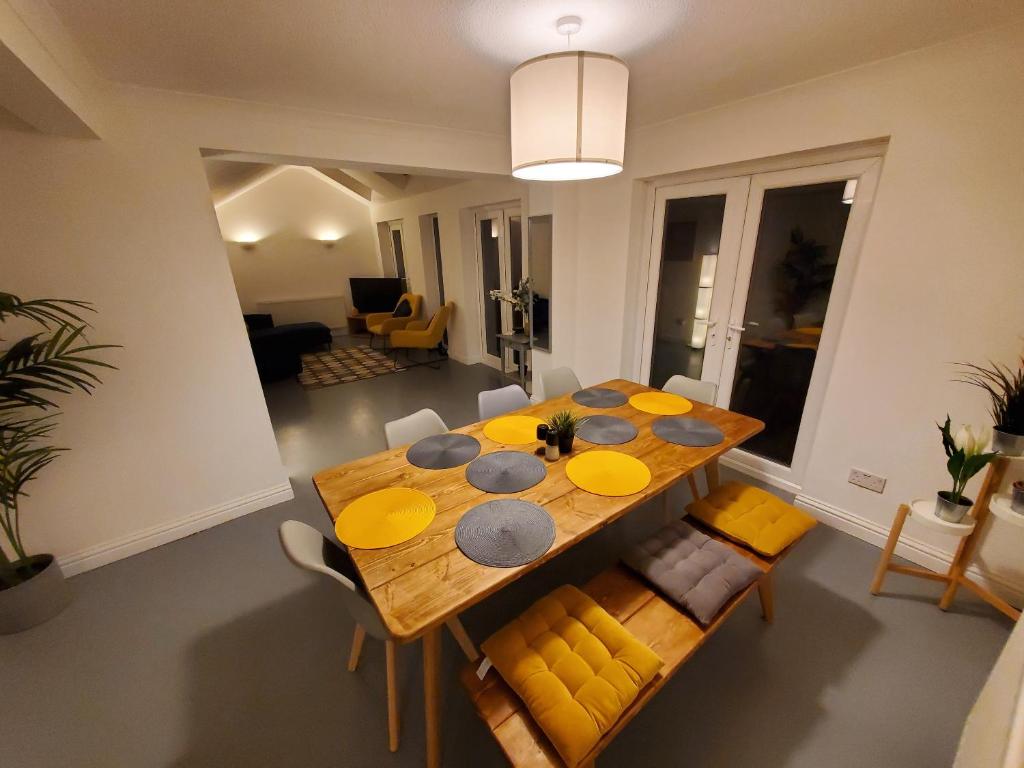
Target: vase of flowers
{"x": 520, "y": 298}
{"x": 564, "y": 424}
{"x": 965, "y": 457}
{"x": 56, "y": 360}
{"x": 1005, "y": 388}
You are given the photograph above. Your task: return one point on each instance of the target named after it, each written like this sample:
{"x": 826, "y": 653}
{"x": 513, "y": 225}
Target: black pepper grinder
{"x": 551, "y": 443}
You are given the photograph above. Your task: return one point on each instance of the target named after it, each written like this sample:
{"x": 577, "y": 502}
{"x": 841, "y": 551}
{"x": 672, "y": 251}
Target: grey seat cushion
{"x": 694, "y": 570}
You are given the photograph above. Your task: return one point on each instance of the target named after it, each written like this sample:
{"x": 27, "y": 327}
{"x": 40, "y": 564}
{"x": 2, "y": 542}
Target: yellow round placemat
{"x": 513, "y": 430}
{"x": 384, "y": 518}
{"x": 608, "y": 473}
{"x": 662, "y": 403}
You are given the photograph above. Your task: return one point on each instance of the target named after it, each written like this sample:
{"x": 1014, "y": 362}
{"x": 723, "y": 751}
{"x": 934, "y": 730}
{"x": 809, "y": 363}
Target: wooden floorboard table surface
{"x": 421, "y": 583}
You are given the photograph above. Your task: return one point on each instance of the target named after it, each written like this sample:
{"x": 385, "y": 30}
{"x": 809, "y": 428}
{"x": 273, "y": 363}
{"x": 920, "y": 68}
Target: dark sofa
{"x": 278, "y": 350}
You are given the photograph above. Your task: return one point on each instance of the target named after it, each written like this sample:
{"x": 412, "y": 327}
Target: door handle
{"x": 736, "y": 328}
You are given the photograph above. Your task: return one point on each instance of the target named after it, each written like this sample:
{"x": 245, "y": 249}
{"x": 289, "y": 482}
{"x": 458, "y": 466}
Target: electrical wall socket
{"x": 866, "y": 480}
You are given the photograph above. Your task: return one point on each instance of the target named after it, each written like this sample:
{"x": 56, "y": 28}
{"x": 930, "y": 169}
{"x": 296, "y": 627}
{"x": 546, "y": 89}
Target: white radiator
{"x": 329, "y": 310}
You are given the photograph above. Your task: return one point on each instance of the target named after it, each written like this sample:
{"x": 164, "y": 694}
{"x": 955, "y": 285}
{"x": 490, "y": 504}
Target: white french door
{"x": 697, "y": 231}
{"x": 784, "y": 272}
{"x": 501, "y": 266}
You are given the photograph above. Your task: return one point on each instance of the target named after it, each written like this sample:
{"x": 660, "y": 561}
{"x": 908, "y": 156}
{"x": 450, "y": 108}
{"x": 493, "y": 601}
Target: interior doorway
{"x": 747, "y": 288}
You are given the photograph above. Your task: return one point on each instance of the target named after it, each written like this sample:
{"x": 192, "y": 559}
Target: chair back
{"x": 558, "y": 382}
{"x": 408, "y": 429}
{"x": 415, "y": 303}
{"x": 494, "y": 402}
{"x": 692, "y": 389}
{"x": 308, "y": 549}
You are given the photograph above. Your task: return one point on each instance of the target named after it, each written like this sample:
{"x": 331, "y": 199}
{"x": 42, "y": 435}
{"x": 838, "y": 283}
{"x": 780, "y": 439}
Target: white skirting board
{"x": 912, "y": 549}
{"x": 140, "y": 541}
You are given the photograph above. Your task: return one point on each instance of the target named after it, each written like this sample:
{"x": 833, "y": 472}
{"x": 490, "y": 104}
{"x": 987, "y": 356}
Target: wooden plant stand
{"x": 969, "y": 531}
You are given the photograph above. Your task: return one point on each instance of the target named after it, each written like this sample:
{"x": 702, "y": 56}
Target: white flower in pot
{"x": 966, "y": 457}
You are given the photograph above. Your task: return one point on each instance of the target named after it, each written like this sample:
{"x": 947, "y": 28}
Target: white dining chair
{"x": 307, "y": 548}
{"x": 494, "y": 402}
{"x": 409, "y": 429}
{"x": 692, "y": 389}
{"x": 558, "y": 382}
{"x": 310, "y": 550}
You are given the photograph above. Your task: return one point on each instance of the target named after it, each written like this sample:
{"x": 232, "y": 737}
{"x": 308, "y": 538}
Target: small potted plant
{"x": 565, "y": 424}
{"x": 1005, "y": 388}
{"x": 965, "y": 458}
{"x": 1017, "y": 503}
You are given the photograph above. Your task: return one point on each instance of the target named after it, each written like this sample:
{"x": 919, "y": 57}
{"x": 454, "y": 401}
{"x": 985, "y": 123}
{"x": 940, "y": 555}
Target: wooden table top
{"x": 419, "y": 584}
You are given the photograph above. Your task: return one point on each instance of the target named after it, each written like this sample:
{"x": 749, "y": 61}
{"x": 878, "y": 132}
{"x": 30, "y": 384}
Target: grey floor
{"x": 214, "y": 651}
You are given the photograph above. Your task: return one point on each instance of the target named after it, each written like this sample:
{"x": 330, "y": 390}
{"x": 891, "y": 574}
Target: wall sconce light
{"x": 328, "y": 237}
{"x": 248, "y": 240}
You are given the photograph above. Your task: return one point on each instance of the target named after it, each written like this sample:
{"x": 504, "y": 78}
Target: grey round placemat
{"x": 599, "y": 397}
{"x": 443, "y": 451}
{"x": 606, "y": 430}
{"x": 505, "y": 472}
{"x": 681, "y": 430}
{"x": 505, "y": 533}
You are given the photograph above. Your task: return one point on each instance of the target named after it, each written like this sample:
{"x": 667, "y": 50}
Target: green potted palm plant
{"x": 1005, "y": 388}
{"x": 965, "y": 457}
{"x": 56, "y": 360}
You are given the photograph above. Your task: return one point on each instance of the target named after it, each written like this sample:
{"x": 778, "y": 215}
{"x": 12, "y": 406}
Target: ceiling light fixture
{"x": 568, "y": 113}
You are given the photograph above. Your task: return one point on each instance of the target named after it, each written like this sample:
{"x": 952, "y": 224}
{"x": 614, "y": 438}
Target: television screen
{"x": 376, "y": 294}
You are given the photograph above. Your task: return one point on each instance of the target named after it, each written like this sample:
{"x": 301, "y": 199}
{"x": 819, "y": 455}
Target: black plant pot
{"x": 36, "y": 600}
{"x": 565, "y": 444}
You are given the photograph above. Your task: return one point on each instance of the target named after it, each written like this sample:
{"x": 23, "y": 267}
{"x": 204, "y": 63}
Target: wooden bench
{"x": 651, "y": 618}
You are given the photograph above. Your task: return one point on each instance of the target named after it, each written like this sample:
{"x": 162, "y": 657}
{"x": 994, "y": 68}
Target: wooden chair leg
{"x": 693, "y": 487}
{"x": 462, "y": 638}
{"x": 389, "y": 650}
{"x": 764, "y": 591}
{"x": 666, "y": 508}
{"x": 357, "y": 648}
{"x": 432, "y": 695}
{"x": 890, "y": 547}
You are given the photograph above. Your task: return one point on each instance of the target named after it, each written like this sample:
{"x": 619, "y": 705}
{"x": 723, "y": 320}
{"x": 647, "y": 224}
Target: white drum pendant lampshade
{"x": 568, "y": 116}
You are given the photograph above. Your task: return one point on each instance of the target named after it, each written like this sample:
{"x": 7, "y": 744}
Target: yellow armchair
{"x": 420, "y": 334}
{"x": 384, "y": 323}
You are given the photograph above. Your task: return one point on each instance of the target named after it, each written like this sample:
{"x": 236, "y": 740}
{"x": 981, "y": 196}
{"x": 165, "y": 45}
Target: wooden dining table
{"x": 420, "y": 584}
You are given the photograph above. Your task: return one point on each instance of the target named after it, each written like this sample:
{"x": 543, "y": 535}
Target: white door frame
{"x": 501, "y": 213}
{"x": 736, "y": 191}
{"x": 867, "y": 172}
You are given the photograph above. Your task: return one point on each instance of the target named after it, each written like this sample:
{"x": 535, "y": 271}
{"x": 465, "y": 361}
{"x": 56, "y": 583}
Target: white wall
{"x": 181, "y": 431}
{"x": 179, "y": 438}
{"x": 939, "y": 276}
{"x": 291, "y": 212}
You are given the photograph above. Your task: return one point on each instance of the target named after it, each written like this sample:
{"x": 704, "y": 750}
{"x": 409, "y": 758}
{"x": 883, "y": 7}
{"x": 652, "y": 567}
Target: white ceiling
{"x": 447, "y": 62}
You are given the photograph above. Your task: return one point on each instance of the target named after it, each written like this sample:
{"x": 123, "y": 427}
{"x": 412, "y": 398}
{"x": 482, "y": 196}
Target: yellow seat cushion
{"x": 763, "y": 522}
{"x": 574, "y": 666}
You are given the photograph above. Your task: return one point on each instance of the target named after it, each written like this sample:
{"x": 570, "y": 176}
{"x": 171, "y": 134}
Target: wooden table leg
{"x": 432, "y": 694}
{"x": 765, "y": 592}
{"x": 693, "y": 486}
{"x": 392, "y": 675}
{"x": 357, "y": 648}
{"x": 462, "y": 638}
{"x": 711, "y": 473}
{"x": 890, "y": 547}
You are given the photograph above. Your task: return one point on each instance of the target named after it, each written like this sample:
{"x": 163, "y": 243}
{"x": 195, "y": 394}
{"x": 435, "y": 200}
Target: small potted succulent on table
{"x": 565, "y": 424}
{"x": 966, "y": 457}
{"x": 1005, "y": 388}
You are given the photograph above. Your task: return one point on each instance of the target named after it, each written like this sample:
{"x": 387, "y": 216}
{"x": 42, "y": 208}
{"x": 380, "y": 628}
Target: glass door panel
{"x": 695, "y": 247}
{"x": 689, "y": 255}
{"x": 799, "y": 237}
{"x": 490, "y": 275}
